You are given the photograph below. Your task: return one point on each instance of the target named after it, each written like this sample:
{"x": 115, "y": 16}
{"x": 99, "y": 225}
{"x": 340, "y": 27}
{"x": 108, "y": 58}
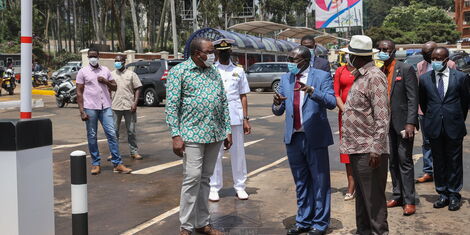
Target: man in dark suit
{"x": 444, "y": 99}
{"x": 403, "y": 97}
{"x": 315, "y": 62}
{"x": 304, "y": 95}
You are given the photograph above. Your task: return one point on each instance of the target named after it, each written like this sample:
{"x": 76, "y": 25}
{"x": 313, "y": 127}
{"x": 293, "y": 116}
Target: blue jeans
{"x": 427, "y": 156}
{"x": 105, "y": 116}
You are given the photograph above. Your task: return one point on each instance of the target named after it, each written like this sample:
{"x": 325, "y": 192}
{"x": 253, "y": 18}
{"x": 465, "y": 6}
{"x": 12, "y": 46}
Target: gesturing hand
{"x": 278, "y": 99}
{"x": 178, "y": 146}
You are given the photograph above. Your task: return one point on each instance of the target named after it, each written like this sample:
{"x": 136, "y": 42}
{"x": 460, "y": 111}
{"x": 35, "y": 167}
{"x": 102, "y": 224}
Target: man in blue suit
{"x": 304, "y": 95}
{"x": 315, "y": 62}
{"x": 444, "y": 99}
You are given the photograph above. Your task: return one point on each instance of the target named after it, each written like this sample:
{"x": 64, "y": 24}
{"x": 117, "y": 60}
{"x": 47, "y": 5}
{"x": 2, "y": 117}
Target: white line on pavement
{"x": 73, "y": 145}
{"x": 45, "y": 115}
{"x": 265, "y": 117}
{"x": 175, "y": 210}
{"x": 153, "y": 169}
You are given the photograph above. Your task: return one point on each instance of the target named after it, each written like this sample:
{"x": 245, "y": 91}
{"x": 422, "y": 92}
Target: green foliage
{"x": 417, "y": 23}
{"x": 62, "y": 58}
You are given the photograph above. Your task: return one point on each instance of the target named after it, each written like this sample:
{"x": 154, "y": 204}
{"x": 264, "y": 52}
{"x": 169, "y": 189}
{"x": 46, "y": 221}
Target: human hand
{"x": 409, "y": 131}
{"x": 134, "y": 108}
{"x": 246, "y": 127}
{"x": 374, "y": 160}
{"x": 278, "y": 99}
{"x": 305, "y": 88}
{"x": 84, "y": 116}
{"x": 178, "y": 146}
{"x": 228, "y": 142}
{"x": 102, "y": 80}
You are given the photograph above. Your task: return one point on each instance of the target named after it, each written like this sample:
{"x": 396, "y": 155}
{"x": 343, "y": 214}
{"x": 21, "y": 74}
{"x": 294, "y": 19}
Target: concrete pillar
{"x": 27, "y": 196}
{"x": 84, "y": 54}
{"x": 164, "y": 54}
{"x": 130, "y": 54}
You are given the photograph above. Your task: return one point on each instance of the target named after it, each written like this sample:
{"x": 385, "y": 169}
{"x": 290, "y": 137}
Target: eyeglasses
{"x": 292, "y": 59}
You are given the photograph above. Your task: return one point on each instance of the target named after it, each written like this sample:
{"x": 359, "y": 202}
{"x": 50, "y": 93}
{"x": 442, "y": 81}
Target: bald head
{"x": 427, "y": 50}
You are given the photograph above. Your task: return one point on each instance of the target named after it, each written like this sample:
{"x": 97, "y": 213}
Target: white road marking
{"x": 153, "y": 169}
{"x": 73, "y": 145}
{"x": 175, "y": 210}
{"x": 45, "y": 115}
{"x": 140, "y": 117}
{"x": 265, "y": 117}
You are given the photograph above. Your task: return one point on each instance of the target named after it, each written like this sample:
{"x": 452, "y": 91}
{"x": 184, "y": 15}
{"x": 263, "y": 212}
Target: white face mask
{"x": 93, "y": 61}
{"x": 210, "y": 60}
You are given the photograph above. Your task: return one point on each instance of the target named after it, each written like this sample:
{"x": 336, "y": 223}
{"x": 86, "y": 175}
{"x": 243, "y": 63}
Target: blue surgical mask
{"x": 437, "y": 65}
{"x": 312, "y": 51}
{"x": 118, "y": 65}
{"x": 293, "y": 68}
{"x": 384, "y": 56}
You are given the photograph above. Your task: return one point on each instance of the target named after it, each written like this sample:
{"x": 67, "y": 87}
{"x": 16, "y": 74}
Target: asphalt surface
{"x": 118, "y": 203}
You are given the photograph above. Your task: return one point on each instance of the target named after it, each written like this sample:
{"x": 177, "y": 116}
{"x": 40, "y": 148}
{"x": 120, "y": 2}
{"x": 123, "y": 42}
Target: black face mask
{"x": 224, "y": 55}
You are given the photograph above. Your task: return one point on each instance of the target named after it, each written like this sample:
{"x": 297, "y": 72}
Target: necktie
{"x": 297, "y": 121}
{"x": 440, "y": 86}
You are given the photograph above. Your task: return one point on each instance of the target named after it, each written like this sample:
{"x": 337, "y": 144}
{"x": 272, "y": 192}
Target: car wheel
{"x": 150, "y": 97}
{"x": 59, "y": 102}
{"x": 275, "y": 86}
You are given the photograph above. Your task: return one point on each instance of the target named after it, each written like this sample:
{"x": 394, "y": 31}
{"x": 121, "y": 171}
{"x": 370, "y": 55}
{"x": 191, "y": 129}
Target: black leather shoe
{"x": 454, "y": 204}
{"x": 315, "y": 231}
{"x": 297, "y": 230}
{"x": 441, "y": 202}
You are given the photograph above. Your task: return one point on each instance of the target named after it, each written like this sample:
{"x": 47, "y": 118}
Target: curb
{"x": 36, "y": 103}
{"x": 43, "y": 92}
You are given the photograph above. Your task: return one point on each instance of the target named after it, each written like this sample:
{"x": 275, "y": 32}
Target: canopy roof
{"x": 328, "y": 38}
{"x": 299, "y": 32}
{"x": 242, "y": 41}
{"x": 261, "y": 27}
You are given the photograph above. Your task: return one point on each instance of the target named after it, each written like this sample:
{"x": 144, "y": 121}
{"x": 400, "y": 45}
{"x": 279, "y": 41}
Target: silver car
{"x": 266, "y": 74}
{"x": 67, "y": 71}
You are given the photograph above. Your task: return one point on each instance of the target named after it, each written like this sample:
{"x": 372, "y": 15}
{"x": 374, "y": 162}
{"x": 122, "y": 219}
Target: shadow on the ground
{"x": 335, "y": 224}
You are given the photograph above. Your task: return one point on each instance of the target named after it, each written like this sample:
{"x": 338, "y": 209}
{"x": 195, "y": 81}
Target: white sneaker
{"x": 214, "y": 196}
{"x": 242, "y": 195}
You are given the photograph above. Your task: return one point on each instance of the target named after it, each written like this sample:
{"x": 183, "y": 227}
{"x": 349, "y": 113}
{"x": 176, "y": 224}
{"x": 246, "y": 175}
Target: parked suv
{"x": 462, "y": 60}
{"x": 266, "y": 74}
{"x": 153, "y": 75}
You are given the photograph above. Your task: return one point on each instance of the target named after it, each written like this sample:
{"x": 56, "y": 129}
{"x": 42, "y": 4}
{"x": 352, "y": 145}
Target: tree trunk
{"x": 162, "y": 25}
{"x": 122, "y": 14}
{"x": 74, "y": 26}
{"x": 96, "y": 25}
{"x": 46, "y": 30}
{"x": 59, "y": 38}
{"x": 138, "y": 45}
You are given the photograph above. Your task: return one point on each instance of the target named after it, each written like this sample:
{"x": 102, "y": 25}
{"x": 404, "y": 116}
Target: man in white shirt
{"x": 236, "y": 87}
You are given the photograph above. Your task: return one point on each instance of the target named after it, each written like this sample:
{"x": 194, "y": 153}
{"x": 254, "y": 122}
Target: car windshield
{"x": 65, "y": 69}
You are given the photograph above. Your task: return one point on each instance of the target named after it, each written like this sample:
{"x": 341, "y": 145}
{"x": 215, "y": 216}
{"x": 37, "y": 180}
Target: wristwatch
{"x": 246, "y": 118}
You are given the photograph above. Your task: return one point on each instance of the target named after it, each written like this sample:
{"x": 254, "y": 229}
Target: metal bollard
{"x": 79, "y": 193}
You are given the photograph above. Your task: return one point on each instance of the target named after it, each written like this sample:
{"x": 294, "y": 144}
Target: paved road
{"x": 118, "y": 202}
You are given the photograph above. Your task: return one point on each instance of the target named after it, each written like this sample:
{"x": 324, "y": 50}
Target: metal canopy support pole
{"x": 195, "y": 15}
{"x": 173, "y": 23}
{"x": 26, "y": 57}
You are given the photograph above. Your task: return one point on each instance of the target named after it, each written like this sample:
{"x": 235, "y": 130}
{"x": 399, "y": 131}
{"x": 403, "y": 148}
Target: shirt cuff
{"x": 175, "y": 132}
{"x": 276, "y": 107}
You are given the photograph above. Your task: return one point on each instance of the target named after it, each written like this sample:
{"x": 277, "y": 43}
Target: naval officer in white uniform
{"x": 236, "y": 87}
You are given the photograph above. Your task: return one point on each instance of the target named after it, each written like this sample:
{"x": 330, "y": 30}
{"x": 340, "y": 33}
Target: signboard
{"x": 338, "y": 13}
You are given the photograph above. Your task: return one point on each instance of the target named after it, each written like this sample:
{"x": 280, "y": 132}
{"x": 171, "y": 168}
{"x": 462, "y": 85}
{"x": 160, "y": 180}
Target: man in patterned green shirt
{"x": 199, "y": 120}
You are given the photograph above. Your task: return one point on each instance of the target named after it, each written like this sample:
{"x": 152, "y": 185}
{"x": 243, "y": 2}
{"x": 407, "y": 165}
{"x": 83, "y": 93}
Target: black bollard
{"x": 79, "y": 193}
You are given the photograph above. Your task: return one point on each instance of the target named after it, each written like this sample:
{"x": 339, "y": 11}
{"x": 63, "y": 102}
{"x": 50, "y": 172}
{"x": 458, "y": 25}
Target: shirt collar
{"x": 445, "y": 72}
{"x": 366, "y": 68}
{"x": 93, "y": 68}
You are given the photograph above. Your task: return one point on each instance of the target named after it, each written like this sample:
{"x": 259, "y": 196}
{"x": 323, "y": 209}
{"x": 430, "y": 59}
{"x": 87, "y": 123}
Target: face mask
{"x": 312, "y": 51}
{"x": 437, "y": 65}
{"x": 210, "y": 60}
{"x": 224, "y": 55}
{"x": 118, "y": 65}
{"x": 384, "y": 56}
{"x": 293, "y": 68}
{"x": 93, "y": 61}
{"x": 351, "y": 62}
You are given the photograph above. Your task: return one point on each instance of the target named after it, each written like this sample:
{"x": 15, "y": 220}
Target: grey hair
{"x": 196, "y": 44}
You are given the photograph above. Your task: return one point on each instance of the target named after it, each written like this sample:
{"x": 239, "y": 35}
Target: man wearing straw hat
{"x": 366, "y": 119}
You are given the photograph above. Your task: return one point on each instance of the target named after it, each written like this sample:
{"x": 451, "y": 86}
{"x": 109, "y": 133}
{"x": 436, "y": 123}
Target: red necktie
{"x": 297, "y": 121}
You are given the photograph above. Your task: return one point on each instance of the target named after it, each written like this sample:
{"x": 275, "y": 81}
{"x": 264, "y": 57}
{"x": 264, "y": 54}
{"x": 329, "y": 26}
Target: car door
{"x": 74, "y": 72}
{"x": 255, "y": 76}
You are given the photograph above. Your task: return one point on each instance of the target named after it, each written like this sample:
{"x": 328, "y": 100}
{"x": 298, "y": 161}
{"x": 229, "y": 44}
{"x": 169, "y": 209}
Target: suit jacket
{"x": 315, "y": 121}
{"x": 321, "y": 64}
{"x": 446, "y": 114}
{"x": 404, "y": 97}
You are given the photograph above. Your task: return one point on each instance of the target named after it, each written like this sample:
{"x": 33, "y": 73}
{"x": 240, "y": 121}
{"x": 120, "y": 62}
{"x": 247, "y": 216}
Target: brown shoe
{"x": 209, "y": 230}
{"x": 95, "y": 170}
{"x": 185, "y": 232}
{"x": 136, "y": 156}
{"x": 393, "y": 203}
{"x": 122, "y": 169}
{"x": 409, "y": 210}
{"x": 425, "y": 178}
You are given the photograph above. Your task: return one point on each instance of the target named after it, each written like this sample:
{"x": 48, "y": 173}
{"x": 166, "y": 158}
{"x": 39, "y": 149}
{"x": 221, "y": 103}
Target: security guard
{"x": 236, "y": 87}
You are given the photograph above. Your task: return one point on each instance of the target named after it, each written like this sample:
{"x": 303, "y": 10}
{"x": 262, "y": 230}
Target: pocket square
{"x": 398, "y": 79}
